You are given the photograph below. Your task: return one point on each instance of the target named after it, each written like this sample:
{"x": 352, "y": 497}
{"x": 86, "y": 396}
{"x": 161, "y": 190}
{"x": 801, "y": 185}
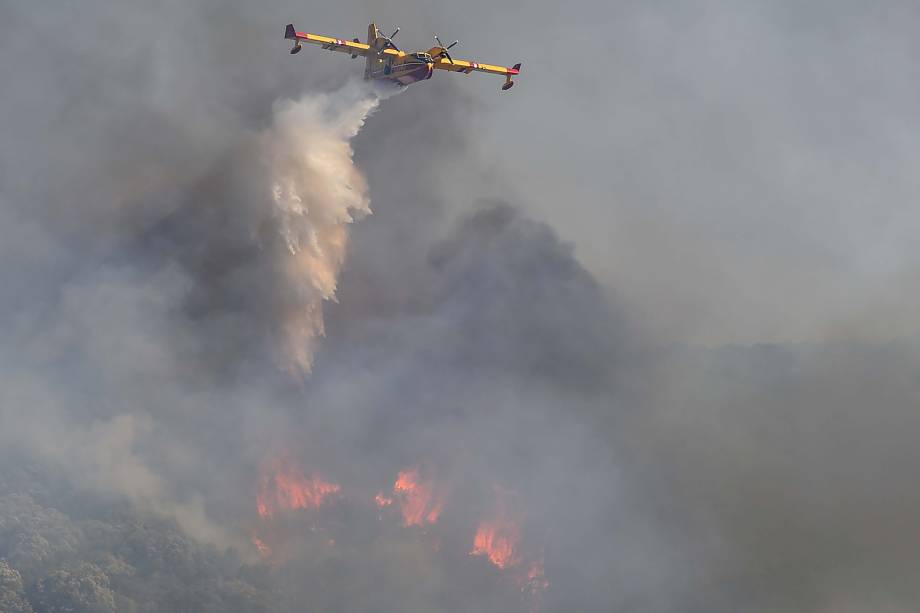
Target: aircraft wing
{"x": 351, "y": 47}
{"x": 468, "y": 66}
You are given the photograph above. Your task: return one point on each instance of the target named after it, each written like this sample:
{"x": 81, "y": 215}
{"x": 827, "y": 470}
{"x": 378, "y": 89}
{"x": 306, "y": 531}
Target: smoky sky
{"x": 662, "y": 290}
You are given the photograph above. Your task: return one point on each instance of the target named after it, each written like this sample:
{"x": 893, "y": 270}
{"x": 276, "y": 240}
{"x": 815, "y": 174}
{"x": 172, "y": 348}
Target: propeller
{"x": 390, "y": 38}
{"x": 444, "y": 49}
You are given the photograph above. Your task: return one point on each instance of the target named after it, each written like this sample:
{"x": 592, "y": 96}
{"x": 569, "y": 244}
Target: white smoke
{"x": 317, "y": 191}
{"x": 114, "y": 319}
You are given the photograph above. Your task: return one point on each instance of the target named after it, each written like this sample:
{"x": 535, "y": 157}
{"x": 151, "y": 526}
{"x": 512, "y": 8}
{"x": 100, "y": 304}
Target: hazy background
{"x": 664, "y": 289}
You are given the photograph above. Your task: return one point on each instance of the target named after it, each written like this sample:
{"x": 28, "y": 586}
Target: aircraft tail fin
{"x": 291, "y": 34}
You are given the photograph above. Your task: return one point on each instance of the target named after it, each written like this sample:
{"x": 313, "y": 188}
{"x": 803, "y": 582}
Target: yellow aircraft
{"x": 386, "y": 61}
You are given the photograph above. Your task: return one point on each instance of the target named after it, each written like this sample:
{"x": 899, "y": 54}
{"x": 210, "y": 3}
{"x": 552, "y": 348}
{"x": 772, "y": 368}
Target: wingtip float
{"x": 385, "y": 61}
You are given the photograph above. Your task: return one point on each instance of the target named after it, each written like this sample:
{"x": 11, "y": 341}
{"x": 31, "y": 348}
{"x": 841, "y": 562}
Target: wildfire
{"x": 285, "y": 488}
{"x": 498, "y": 537}
{"x": 498, "y": 540}
{"x": 417, "y": 499}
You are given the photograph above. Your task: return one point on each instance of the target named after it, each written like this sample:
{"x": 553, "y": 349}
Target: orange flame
{"x": 285, "y": 488}
{"x": 498, "y": 537}
{"x": 418, "y": 502}
{"x": 498, "y": 540}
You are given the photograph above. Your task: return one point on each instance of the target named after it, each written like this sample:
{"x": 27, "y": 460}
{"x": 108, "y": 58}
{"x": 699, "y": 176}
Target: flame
{"x": 498, "y": 540}
{"x": 417, "y": 499}
{"x": 420, "y": 501}
{"x": 498, "y": 537}
{"x": 285, "y": 488}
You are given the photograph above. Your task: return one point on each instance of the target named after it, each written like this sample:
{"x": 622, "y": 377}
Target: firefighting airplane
{"x": 386, "y": 61}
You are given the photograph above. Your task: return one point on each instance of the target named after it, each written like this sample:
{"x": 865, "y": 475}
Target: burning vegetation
{"x": 498, "y": 541}
{"x": 285, "y": 488}
{"x": 289, "y": 500}
{"x": 418, "y": 501}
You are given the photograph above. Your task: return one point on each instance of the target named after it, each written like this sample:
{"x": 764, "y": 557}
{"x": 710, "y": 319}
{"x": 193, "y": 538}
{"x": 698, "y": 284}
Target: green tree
{"x": 81, "y": 589}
